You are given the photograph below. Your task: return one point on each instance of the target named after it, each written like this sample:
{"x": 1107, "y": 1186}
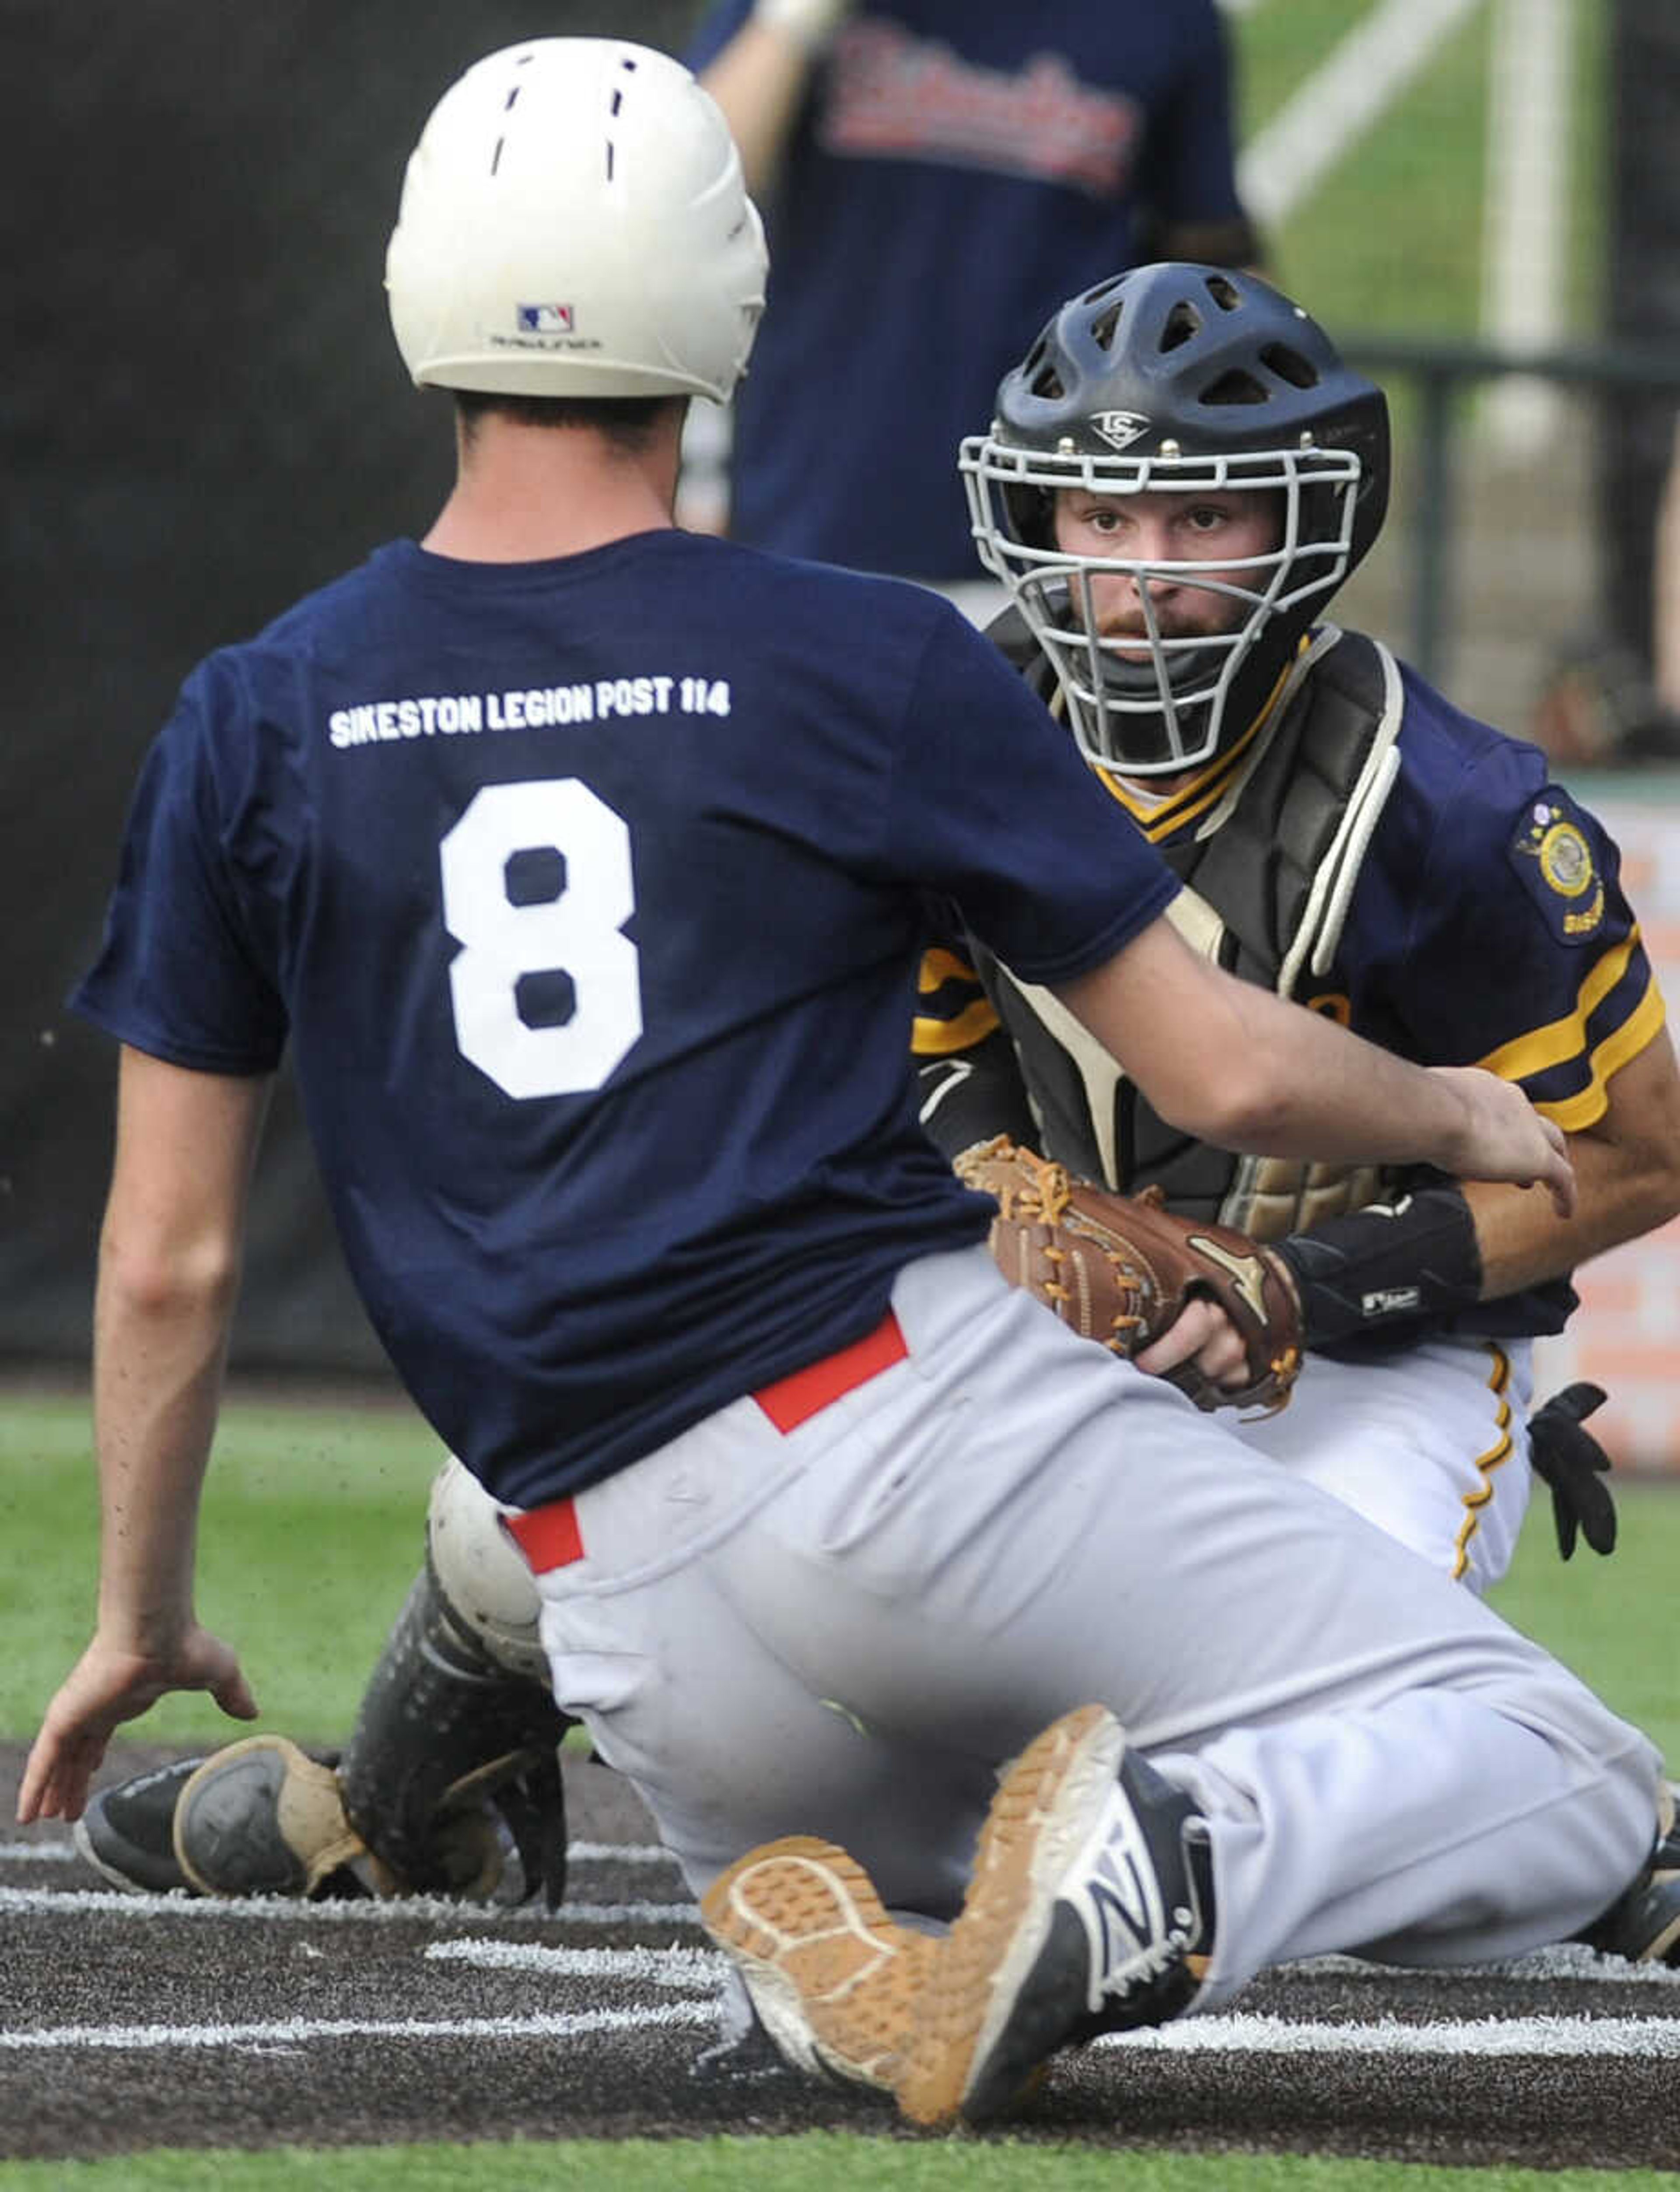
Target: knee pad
{"x": 480, "y": 1574}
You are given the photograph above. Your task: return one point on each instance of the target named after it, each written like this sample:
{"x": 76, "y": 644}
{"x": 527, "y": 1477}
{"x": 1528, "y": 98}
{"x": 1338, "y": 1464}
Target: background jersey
{"x": 1488, "y": 927}
{"x": 589, "y": 894}
{"x": 957, "y": 168}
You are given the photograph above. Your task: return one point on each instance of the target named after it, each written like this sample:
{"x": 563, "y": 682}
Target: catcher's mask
{"x": 1185, "y": 380}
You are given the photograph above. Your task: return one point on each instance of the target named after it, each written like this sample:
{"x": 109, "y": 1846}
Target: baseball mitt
{"x": 1118, "y": 1268}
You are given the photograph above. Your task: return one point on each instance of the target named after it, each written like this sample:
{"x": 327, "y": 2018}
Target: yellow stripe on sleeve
{"x": 1575, "y": 1114}
{"x": 939, "y": 966}
{"x": 931, "y": 1038}
{"x": 1563, "y": 1039}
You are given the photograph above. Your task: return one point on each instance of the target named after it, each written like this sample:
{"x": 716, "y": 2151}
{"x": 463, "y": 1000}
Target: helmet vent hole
{"x": 1223, "y": 292}
{"x": 1289, "y": 365}
{"x": 1234, "y": 387}
{"x": 1182, "y": 323}
{"x": 1040, "y": 376}
{"x": 1103, "y": 329}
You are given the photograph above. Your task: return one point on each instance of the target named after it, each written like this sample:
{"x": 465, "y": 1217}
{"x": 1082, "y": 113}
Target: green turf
{"x": 816, "y": 2163}
{"x": 313, "y": 1527}
{"x": 1613, "y": 1620}
{"x": 1391, "y": 239}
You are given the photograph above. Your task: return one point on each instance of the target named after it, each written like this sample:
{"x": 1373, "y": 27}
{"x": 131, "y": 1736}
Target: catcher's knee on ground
{"x": 453, "y": 1768}
{"x": 454, "y": 1763}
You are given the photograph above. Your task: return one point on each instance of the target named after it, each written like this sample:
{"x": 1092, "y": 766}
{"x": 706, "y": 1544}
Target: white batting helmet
{"x": 574, "y": 222}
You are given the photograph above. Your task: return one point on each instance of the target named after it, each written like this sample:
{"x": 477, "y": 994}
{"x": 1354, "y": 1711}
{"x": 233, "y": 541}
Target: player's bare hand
{"x": 1505, "y": 1138}
{"x": 106, "y": 1687}
{"x": 1201, "y": 1333}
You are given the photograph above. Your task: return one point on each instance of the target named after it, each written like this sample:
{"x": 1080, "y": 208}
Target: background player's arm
{"x": 1237, "y": 1066}
{"x": 760, "y": 77}
{"x": 169, "y": 1277}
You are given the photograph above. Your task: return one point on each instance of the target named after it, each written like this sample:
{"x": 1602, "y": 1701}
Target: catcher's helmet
{"x": 1189, "y": 379}
{"x": 574, "y": 222}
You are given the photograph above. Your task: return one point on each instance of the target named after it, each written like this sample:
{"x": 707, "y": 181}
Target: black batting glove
{"x": 1573, "y": 1463}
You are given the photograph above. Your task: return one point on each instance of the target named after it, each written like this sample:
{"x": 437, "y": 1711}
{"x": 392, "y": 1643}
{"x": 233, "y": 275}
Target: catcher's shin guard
{"x": 450, "y": 1752}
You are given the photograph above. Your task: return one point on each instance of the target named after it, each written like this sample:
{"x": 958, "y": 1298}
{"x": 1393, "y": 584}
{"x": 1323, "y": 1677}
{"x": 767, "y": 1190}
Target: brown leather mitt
{"x": 1118, "y": 1269}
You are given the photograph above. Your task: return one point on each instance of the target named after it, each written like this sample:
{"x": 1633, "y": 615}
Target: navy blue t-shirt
{"x": 589, "y": 895}
{"x": 958, "y": 169}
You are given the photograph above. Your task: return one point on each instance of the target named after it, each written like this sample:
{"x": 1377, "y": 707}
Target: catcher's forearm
{"x": 1410, "y": 1262}
{"x": 974, "y": 1095}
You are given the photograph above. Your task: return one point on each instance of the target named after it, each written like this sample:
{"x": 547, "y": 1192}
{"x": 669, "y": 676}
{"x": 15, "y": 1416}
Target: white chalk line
{"x": 298, "y": 2031}
{"x": 283, "y": 1909}
{"x": 1492, "y": 2035}
{"x": 1566, "y": 1963}
{"x": 1552, "y": 2037}
{"x": 65, "y": 1852}
{"x": 666, "y": 1968}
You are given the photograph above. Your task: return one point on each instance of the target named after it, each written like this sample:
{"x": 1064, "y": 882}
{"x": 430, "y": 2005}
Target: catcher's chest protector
{"x": 1267, "y": 893}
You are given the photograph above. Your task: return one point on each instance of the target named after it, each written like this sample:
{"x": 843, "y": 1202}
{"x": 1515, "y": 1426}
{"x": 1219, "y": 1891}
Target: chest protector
{"x": 1268, "y": 878}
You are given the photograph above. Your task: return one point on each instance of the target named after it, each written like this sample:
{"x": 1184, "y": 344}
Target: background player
{"x": 932, "y": 170}
{"x": 488, "y": 830}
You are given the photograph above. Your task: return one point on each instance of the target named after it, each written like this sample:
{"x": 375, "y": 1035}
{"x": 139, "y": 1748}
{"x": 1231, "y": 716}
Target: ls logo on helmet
{"x": 1119, "y": 429}
{"x": 1553, "y": 855}
{"x": 545, "y": 319}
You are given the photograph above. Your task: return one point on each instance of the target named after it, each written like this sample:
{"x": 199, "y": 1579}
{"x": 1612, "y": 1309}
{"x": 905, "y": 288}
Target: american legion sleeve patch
{"x": 1551, "y": 850}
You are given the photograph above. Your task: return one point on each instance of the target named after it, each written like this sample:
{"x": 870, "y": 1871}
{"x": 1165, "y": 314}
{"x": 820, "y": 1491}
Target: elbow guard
{"x": 1415, "y": 1261}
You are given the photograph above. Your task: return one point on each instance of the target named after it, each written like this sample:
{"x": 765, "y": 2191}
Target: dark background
{"x": 202, "y": 415}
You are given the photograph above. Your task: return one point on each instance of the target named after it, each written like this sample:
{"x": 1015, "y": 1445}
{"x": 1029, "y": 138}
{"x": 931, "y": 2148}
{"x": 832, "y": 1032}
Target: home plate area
{"x": 128, "y": 2021}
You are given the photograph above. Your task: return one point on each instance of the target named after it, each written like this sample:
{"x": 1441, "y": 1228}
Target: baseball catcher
{"x": 450, "y": 1783}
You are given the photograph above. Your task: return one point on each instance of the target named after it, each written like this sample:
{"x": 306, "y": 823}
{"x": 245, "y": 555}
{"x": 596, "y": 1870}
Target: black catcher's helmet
{"x": 1181, "y": 379}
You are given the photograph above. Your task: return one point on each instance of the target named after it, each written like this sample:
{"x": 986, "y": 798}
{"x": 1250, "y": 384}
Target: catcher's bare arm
{"x": 1235, "y": 1066}
{"x": 1627, "y": 1164}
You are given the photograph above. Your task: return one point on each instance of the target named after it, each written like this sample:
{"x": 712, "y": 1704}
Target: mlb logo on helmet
{"x": 545, "y": 319}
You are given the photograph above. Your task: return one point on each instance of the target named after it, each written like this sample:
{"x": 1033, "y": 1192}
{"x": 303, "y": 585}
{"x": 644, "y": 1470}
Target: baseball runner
{"x": 569, "y": 853}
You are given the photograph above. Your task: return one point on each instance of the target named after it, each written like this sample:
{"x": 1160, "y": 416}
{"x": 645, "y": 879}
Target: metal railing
{"x": 1439, "y": 369}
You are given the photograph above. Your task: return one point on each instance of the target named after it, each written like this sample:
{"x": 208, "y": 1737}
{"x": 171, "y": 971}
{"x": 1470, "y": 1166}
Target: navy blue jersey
{"x": 957, "y": 168}
{"x": 1489, "y": 926}
{"x": 589, "y": 895}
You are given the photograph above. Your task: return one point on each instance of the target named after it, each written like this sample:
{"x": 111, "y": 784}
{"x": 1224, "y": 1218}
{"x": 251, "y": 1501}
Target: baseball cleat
{"x": 834, "y": 1980}
{"x": 1644, "y": 1924}
{"x": 1090, "y": 1911}
{"x": 127, "y": 1832}
{"x": 262, "y": 1817}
